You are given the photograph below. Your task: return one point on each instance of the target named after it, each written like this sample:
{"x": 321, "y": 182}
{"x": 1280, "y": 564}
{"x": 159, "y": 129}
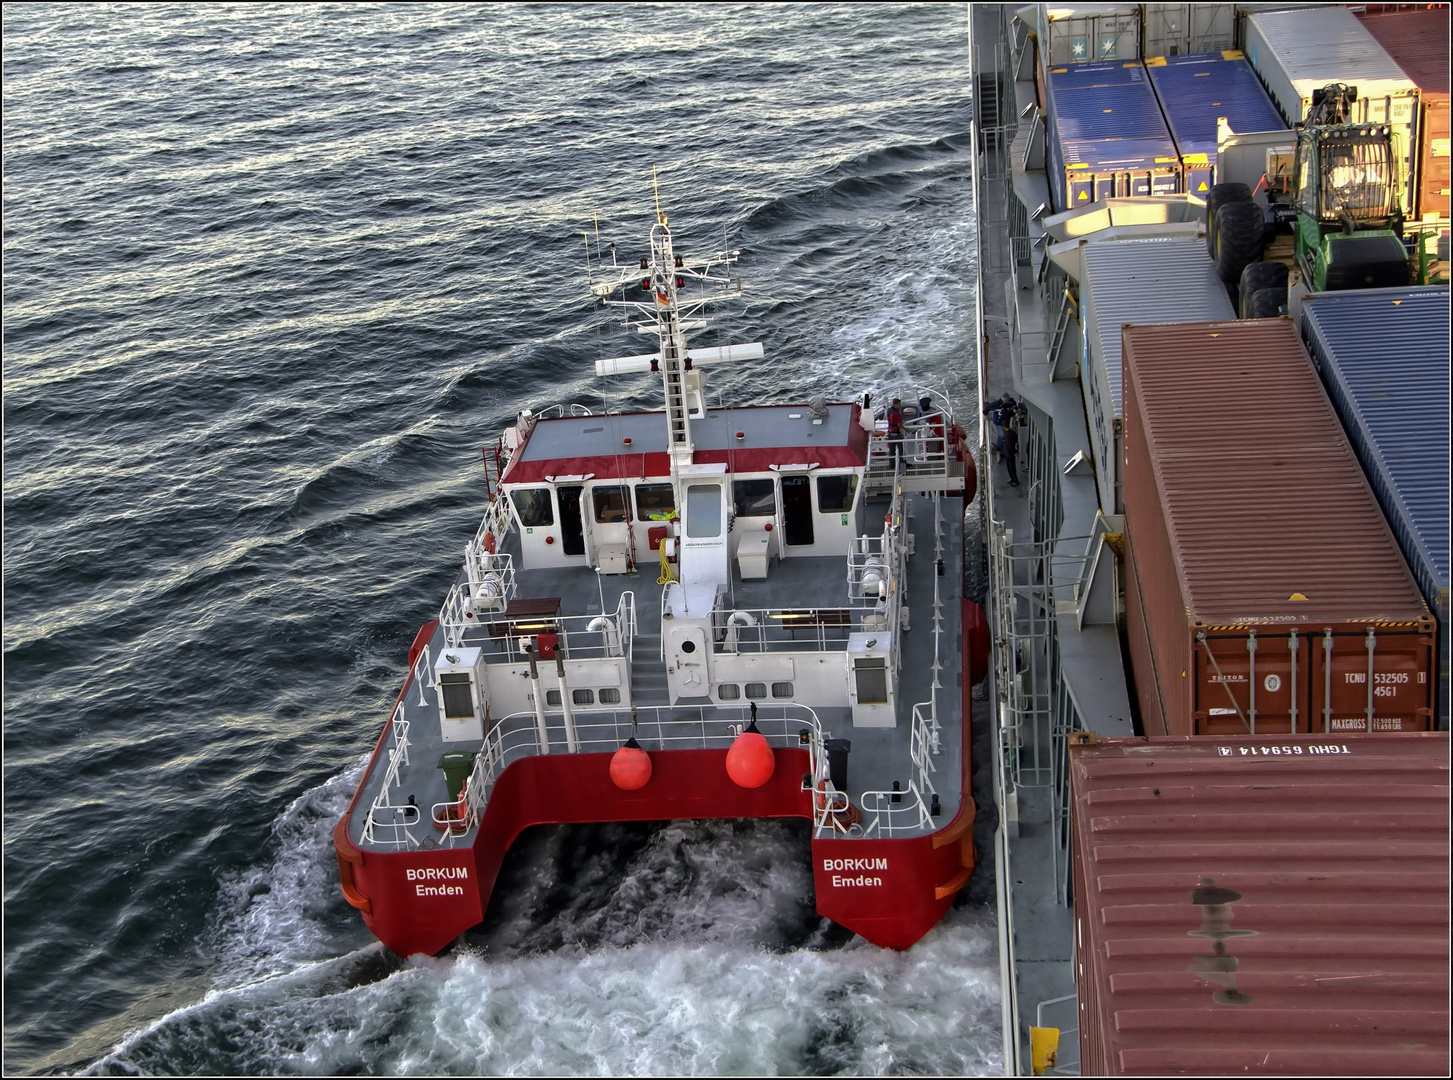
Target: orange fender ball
{"x": 750, "y": 761}
{"x": 630, "y": 767}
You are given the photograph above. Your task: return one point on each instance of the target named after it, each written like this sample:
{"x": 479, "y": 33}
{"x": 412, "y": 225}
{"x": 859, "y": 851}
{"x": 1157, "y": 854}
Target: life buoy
{"x": 842, "y": 820}
{"x": 456, "y": 814}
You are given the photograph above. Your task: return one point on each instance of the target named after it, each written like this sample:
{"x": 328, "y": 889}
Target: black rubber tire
{"x": 1238, "y": 239}
{"x": 1258, "y": 276}
{"x": 1266, "y": 303}
{"x": 1219, "y": 195}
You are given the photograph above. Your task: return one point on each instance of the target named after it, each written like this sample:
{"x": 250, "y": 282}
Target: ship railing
{"x": 390, "y": 824}
{"x": 890, "y": 813}
{"x": 560, "y": 409}
{"x": 754, "y": 630}
{"x": 664, "y": 727}
{"x": 580, "y": 637}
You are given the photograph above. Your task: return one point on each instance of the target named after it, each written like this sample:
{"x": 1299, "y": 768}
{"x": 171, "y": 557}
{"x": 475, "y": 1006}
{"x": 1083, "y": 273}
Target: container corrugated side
{"x": 1299, "y": 51}
{"x": 1134, "y": 281}
{"x": 1186, "y": 29}
{"x": 1261, "y": 906}
{"x": 1383, "y": 357}
{"x": 1087, "y": 33}
{"x": 1264, "y": 590}
{"x": 1417, "y": 41}
{"x": 1112, "y": 139}
{"x": 1194, "y": 91}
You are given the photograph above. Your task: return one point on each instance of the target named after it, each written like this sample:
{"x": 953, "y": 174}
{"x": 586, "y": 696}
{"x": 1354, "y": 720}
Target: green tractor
{"x": 1341, "y": 205}
{"x": 1348, "y": 224}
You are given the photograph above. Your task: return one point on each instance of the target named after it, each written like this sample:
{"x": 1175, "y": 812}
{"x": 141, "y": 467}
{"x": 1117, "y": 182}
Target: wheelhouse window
{"x": 654, "y": 502}
{"x": 610, "y": 504}
{"x": 534, "y": 506}
{"x": 754, "y": 498}
{"x": 703, "y": 510}
{"x": 835, "y": 493}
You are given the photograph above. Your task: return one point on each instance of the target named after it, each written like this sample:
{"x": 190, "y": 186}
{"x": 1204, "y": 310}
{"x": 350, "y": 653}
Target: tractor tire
{"x": 1218, "y": 196}
{"x": 1258, "y": 276}
{"x": 1267, "y": 303}
{"x": 1238, "y": 239}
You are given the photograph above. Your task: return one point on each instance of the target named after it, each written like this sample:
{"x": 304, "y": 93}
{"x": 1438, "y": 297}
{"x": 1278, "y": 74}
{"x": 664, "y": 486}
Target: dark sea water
{"x": 272, "y": 276}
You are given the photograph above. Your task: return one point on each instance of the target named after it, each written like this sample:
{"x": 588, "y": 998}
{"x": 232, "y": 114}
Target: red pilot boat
{"x": 695, "y": 612}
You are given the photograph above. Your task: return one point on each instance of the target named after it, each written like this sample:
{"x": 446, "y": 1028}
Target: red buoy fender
{"x": 630, "y": 767}
{"x": 750, "y": 760}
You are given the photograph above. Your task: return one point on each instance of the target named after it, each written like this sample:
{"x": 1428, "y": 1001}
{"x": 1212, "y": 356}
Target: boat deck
{"x": 931, "y": 667}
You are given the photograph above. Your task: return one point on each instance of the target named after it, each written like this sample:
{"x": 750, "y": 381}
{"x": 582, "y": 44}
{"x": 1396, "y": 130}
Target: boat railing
{"x": 580, "y": 637}
{"x": 753, "y": 630}
{"x": 696, "y": 727}
{"x": 389, "y": 824}
{"x": 889, "y": 813}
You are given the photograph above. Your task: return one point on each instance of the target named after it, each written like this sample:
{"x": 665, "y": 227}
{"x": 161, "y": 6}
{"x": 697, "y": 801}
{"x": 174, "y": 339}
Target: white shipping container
{"x": 1187, "y": 29}
{"x": 1160, "y": 280}
{"x": 1300, "y": 51}
{"x": 1079, "y": 33}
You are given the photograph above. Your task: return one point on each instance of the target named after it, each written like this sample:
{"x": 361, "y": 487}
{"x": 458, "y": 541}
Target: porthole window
{"x": 728, "y": 691}
{"x": 610, "y": 696}
{"x": 552, "y": 698}
{"x": 583, "y": 697}
{"x": 781, "y": 689}
{"x": 757, "y": 691}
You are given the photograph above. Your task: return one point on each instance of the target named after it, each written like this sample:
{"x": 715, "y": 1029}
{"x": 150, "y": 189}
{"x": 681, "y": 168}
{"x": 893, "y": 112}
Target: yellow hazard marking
{"x": 1083, "y": 196}
{"x": 1297, "y": 596}
{"x": 1232, "y": 54}
{"x": 1202, "y": 187}
{"x": 1153, "y": 61}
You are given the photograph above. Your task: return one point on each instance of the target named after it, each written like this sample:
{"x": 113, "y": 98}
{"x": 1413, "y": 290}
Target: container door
{"x": 1231, "y": 680}
{"x": 1398, "y": 693}
{"x": 572, "y": 525}
{"x": 797, "y": 509}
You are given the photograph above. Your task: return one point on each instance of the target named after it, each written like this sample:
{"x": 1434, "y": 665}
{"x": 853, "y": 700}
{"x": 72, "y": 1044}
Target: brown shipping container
{"x": 1417, "y": 41}
{"x": 1264, "y": 591}
{"x": 1258, "y": 905}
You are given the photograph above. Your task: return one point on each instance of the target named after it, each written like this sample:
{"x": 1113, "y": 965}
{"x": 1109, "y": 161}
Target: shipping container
{"x": 1259, "y": 906}
{"x": 1194, "y": 91}
{"x": 1167, "y": 279}
{"x": 1383, "y": 357}
{"x": 1417, "y": 41}
{"x": 1107, "y": 136}
{"x": 1264, "y": 591}
{"x": 1085, "y": 33}
{"x": 1186, "y": 29}
{"x": 1298, "y": 52}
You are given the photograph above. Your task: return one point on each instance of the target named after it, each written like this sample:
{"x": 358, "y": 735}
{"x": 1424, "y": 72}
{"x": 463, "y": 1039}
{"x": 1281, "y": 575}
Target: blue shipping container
{"x": 1107, "y": 136}
{"x": 1383, "y": 356}
{"x": 1194, "y": 91}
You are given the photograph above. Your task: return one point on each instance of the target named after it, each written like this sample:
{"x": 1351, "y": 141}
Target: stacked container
{"x": 1261, "y": 906}
{"x": 1417, "y": 41}
{"x": 1264, "y": 592}
{"x": 1383, "y": 357}
{"x": 1140, "y": 281}
{"x": 1086, "y": 33}
{"x": 1108, "y": 138}
{"x": 1187, "y": 29}
{"x": 1300, "y": 51}
{"x": 1194, "y": 91}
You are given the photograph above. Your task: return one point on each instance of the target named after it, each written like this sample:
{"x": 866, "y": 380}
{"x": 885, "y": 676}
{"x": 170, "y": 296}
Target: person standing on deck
{"x": 1010, "y": 442}
{"x": 895, "y": 429}
{"x": 998, "y": 413}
